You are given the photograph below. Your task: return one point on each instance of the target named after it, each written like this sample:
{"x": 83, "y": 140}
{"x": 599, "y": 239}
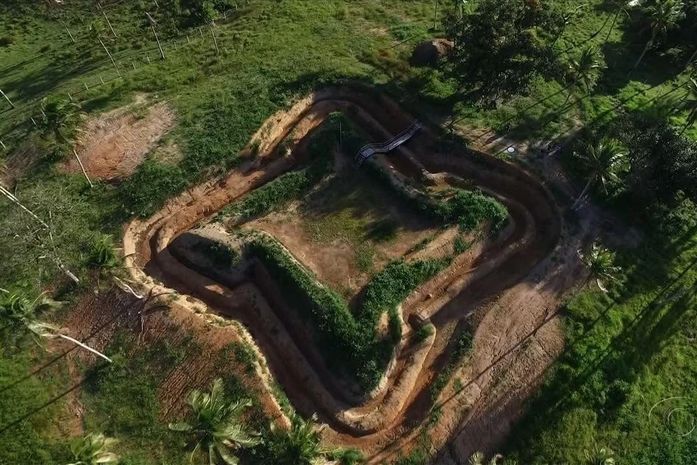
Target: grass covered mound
{"x": 349, "y": 342}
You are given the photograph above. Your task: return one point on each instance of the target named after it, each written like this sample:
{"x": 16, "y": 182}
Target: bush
{"x": 350, "y": 344}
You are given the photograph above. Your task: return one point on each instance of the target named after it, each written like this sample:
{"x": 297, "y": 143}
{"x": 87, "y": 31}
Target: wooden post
{"x": 33, "y": 120}
{"x": 82, "y": 167}
{"x": 134, "y": 65}
{"x": 215, "y": 42}
{"x": 85, "y": 84}
{"x": 70, "y": 97}
{"x": 3, "y": 145}
{"x": 107, "y": 19}
{"x": 188, "y": 41}
{"x": 16, "y": 201}
{"x": 101, "y": 79}
{"x": 152, "y": 26}
{"x": 110, "y": 57}
{"x": 69, "y": 34}
{"x": 7, "y": 98}
{"x": 147, "y": 58}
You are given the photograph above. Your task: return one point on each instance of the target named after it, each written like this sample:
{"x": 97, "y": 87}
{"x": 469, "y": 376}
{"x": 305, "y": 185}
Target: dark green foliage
{"x": 220, "y": 254}
{"x": 350, "y": 344}
{"x": 197, "y": 12}
{"x": 423, "y": 332}
{"x": 460, "y": 245}
{"x": 662, "y": 163}
{"x": 103, "y": 253}
{"x": 469, "y": 209}
{"x": 24, "y": 443}
{"x": 299, "y": 446}
{"x": 461, "y": 348}
{"x": 347, "y": 457}
{"x": 502, "y": 45}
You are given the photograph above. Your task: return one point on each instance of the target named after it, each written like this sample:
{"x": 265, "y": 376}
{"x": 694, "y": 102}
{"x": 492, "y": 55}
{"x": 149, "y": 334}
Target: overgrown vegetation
{"x": 349, "y": 342}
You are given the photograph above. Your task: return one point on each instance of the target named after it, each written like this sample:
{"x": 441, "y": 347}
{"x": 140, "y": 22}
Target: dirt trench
{"x": 391, "y": 420}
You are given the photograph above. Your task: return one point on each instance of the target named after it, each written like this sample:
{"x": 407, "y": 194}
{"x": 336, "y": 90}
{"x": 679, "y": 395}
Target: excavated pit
{"x": 389, "y": 418}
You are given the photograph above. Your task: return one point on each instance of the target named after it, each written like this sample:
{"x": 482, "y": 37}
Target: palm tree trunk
{"x": 643, "y": 53}
{"x": 691, "y": 59}
{"x": 614, "y": 23}
{"x": 582, "y": 194}
{"x": 84, "y": 346}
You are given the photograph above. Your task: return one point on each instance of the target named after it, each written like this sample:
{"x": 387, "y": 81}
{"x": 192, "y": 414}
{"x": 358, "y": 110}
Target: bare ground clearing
{"x": 112, "y": 145}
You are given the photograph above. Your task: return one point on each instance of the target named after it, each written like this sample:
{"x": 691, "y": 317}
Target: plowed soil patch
{"x": 112, "y": 145}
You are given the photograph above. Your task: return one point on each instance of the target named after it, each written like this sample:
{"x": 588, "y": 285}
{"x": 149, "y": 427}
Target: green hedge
{"x": 350, "y": 344}
{"x": 468, "y": 209}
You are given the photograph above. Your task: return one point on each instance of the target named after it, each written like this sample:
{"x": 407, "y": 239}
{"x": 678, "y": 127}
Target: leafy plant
{"x": 103, "y": 253}
{"x": 92, "y": 450}
{"x": 217, "y": 428}
{"x": 299, "y": 446}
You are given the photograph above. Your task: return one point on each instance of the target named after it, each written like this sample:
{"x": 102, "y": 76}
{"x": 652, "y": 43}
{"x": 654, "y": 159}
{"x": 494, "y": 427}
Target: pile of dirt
{"x": 429, "y": 53}
{"x": 112, "y": 145}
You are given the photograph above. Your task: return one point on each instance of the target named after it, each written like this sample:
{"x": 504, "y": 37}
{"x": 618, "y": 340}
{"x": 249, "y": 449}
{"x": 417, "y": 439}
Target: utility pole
{"x": 152, "y": 26}
{"x": 7, "y": 98}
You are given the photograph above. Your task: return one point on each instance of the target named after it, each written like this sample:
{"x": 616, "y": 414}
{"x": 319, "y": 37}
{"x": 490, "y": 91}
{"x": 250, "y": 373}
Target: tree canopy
{"x": 501, "y": 45}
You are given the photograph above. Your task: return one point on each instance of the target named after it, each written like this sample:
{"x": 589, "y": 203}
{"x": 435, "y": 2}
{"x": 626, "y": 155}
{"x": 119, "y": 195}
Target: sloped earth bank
{"x": 509, "y": 289}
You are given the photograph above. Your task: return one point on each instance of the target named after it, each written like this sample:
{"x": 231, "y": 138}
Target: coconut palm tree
{"x": 620, "y": 6}
{"x": 18, "y": 316}
{"x": 584, "y": 71}
{"x": 92, "y": 450}
{"x": 299, "y": 446}
{"x": 566, "y": 19}
{"x": 60, "y": 117}
{"x": 478, "y": 458}
{"x": 217, "y": 428}
{"x": 689, "y": 104}
{"x": 601, "y": 265}
{"x": 19, "y": 319}
{"x": 601, "y": 161}
{"x": 664, "y": 15}
{"x": 600, "y": 456}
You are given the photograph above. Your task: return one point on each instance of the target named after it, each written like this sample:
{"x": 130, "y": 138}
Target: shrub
{"x": 350, "y": 344}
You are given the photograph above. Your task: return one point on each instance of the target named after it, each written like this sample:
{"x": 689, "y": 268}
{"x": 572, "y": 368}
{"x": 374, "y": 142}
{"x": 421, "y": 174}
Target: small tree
{"x": 61, "y": 116}
{"x": 664, "y": 15}
{"x": 19, "y": 316}
{"x": 600, "y": 456}
{"x": 299, "y": 446}
{"x": 584, "y": 71}
{"x": 601, "y": 161}
{"x": 601, "y": 265}
{"x": 92, "y": 450}
{"x": 217, "y": 427}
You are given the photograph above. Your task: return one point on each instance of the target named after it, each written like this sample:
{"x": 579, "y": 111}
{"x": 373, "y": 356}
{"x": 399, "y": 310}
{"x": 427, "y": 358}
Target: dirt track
{"x": 509, "y": 287}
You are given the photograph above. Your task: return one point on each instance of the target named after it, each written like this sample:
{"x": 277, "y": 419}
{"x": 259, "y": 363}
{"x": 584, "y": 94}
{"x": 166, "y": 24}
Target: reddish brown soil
{"x": 112, "y": 145}
{"x": 507, "y": 289}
